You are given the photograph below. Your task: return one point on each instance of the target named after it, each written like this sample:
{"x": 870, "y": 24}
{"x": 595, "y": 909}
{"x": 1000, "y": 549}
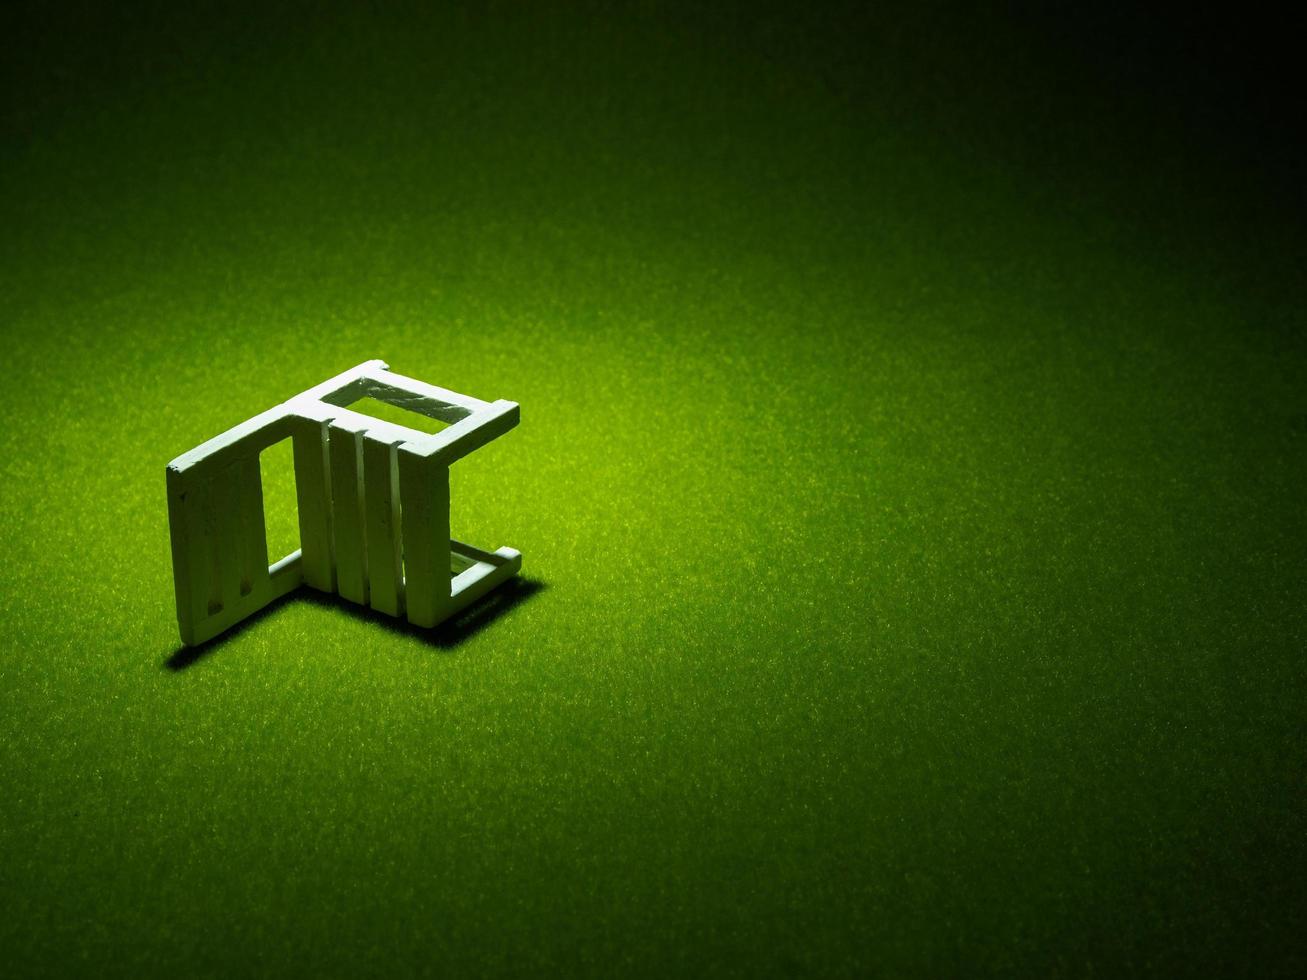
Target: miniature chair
{"x": 373, "y": 500}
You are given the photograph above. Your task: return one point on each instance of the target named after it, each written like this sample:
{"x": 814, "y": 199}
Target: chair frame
{"x": 373, "y": 500}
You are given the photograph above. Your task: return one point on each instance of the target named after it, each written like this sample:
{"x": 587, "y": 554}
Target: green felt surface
{"x": 910, "y": 480}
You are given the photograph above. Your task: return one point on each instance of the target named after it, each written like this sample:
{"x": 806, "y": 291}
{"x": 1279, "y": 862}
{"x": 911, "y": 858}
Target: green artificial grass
{"x": 909, "y": 486}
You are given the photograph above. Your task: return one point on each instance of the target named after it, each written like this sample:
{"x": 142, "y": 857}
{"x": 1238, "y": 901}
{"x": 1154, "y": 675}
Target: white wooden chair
{"x": 373, "y": 501}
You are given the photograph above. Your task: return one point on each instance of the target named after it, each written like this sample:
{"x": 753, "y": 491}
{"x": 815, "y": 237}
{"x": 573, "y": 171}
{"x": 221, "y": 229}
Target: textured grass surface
{"x": 911, "y": 466}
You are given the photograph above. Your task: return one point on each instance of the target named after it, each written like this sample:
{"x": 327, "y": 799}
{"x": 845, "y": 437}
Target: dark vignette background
{"x": 915, "y": 410}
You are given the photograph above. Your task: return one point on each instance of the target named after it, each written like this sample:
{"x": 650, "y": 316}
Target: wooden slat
{"x": 313, "y": 501}
{"x": 424, "y": 495}
{"x": 384, "y": 570}
{"x": 347, "y": 505}
{"x": 397, "y": 531}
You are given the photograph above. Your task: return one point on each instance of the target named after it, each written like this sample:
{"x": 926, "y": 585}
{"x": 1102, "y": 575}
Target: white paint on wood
{"x": 373, "y": 501}
{"x": 424, "y": 496}
{"x": 313, "y": 501}
{"x": 347, "y": 504}
{"x": 383, "y": 544}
